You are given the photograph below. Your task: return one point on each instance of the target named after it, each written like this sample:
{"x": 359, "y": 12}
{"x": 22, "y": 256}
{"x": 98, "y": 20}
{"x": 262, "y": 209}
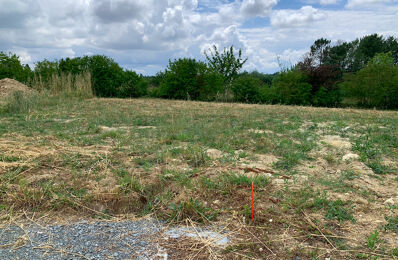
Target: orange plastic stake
{"x": 252, "y": 201}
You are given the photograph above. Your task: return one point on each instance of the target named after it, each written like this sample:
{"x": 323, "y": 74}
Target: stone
{"x": 390, "y": 201}
{"x": 214, "y": 153}
{"x": 350, "y": 156}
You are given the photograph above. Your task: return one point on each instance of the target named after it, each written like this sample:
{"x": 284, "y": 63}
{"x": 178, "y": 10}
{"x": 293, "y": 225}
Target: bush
{"x": 328, "y": 98}
{"x": 190, "y": 79}
{"x": 106, "y": 76}
{"x": 247, "y": 89}
{"x": 290, "y": 87}
{"x": 132, "y": 85}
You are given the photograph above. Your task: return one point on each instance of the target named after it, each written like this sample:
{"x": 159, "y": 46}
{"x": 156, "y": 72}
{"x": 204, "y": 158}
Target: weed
{"x": 394, "y": 252}
{"x": 5, "y": 158}
{"x": 182, "y": 178}
{"x": 127, "y": 182}
{"x": 243, "y": 180}
{"x": 336, "y": 210}
{"x": 392, "y": 223}
{"x": 192, "y": 209}
{"x": 373, "y": 239}
{"x": 349, "y": 175}
{"x": 330, "y": 158}
{"x": 210, "y": 184}
{"x": 370, "y": 153}
{"x": 195, "y": 156}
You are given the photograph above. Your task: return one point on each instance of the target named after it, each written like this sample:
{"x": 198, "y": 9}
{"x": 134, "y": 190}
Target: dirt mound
{"x": 8, "y": 86}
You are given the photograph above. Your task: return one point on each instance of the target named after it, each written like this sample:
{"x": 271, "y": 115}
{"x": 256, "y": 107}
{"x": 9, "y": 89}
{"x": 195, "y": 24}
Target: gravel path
{"x": 100, "y": 240}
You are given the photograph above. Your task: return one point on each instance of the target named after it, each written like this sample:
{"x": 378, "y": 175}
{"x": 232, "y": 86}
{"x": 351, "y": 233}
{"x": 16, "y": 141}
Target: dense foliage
{"x": 376, "y": 85}
{"x": 363, "y": 72}
{"x": 190, "y": 79}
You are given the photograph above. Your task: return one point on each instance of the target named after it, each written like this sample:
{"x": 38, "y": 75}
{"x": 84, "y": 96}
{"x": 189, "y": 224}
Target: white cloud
{"x": 368, "y": 3}
{"x": 144, "y": 34}
{"x": 296, "y": 18}
{"x": 251, "y": 8}
{"x": 329, "y": 2}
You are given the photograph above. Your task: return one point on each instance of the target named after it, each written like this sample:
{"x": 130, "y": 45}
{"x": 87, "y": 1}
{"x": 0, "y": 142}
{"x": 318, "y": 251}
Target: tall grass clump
{"x": 58, "y": 88}
{"x": 72, "y": 85}
{"x": 20, "y": 102}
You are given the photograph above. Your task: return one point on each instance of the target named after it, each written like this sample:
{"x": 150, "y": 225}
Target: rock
{"x": 256, "y": 131}
{"x": 390, "y": 201}
{"x": 346, "y": 128}
{"x": 278, "y": 181}
{"x": 214, "y": 153}
{"x": 350, "y": 156}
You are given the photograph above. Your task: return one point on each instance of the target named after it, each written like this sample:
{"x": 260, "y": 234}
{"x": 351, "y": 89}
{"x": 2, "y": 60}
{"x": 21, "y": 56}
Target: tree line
{"x": 362, "y": 73}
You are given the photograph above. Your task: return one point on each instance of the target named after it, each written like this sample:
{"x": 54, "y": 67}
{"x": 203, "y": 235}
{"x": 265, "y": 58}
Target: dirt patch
{"x": 337, "y": 141}
{"x": 214, "y": 154}
{"x": 8, "y": 86}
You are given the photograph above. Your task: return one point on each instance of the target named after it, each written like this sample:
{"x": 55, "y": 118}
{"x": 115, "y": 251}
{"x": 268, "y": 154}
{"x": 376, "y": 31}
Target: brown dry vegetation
{"x": 325, "y": 179}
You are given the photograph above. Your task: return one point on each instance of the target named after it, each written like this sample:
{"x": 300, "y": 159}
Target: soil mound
{"x": 8, "y": 86}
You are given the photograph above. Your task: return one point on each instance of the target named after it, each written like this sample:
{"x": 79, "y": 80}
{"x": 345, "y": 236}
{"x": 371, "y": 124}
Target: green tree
{"x": 190, "y": 79}
{"x": 132, "y": 85}
{"x": 247, "y": 89}
{"x": 46, "y": 69}
{"x": 290, "y": 87}
{"x": 106, "y": 76}
{"x": 11, "y": 67}
{"x": 227, "y": 63}
{"x": 376, "y": 85}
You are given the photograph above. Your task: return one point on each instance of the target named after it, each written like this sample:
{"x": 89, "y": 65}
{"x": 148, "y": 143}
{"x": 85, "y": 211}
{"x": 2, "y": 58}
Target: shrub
{"x": 190, "y": 79}
{"x": 106, "y": 76}
{"x": 247, "y": 89}
{"x": 290, "y": 87}
{"x": 132, "y": 85}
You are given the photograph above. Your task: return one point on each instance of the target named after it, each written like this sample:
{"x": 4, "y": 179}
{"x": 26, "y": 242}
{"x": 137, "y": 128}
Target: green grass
{"x": 392, "y": 223}
{"x": 373, "y": 239}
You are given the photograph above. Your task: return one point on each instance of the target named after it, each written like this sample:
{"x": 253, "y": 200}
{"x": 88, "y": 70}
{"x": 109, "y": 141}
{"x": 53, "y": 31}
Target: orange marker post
{"x": 252, "y": 201}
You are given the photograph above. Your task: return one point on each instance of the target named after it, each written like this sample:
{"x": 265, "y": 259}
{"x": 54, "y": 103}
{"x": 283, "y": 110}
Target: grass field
{"x": 326, "y": 180}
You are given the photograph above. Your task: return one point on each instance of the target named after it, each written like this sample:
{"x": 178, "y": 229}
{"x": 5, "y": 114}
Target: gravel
{"x": 100, "y": 240}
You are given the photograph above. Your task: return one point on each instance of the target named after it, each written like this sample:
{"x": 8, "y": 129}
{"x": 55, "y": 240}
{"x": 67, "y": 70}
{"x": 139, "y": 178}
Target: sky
{"x": 143, "y": 35}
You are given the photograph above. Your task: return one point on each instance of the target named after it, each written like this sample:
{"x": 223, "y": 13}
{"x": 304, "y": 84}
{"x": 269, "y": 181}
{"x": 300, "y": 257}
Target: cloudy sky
{"x": 142, "y": 35}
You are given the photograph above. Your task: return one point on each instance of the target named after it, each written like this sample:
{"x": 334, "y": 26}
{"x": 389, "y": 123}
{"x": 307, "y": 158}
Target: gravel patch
{"x": 101, "y": 240}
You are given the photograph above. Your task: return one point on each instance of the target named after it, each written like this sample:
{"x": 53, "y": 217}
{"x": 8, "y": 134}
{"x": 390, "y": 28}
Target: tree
{"x": 247, "y": 89}
{"x": 376, "y": 85}
{"x": 11, "y": 67}
{"x": 323, "y": 79}
{"x": 190, "y": 79}
{"x": 290, "y": 87}
{"x": 228, "y": 64}
{"x": 106, "y": 76}
{"x": 132, "y": 85}
{"x": 320, "y": 50}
